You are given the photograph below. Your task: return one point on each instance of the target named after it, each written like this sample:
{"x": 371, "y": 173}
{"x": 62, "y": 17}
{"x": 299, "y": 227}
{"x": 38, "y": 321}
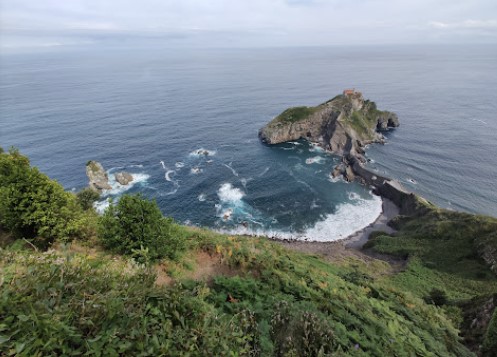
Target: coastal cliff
{"x": 342, "y": 125}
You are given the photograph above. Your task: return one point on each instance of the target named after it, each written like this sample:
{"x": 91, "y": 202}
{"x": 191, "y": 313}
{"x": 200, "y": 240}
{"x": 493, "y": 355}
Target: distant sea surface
{"x": 185, "y": 123}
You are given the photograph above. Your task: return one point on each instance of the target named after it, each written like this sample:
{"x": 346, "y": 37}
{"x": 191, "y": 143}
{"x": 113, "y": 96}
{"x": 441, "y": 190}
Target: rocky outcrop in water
{"x": 97, "y": 176}
{"x": 123, "y": 177}
{"x": 343, "y": 125}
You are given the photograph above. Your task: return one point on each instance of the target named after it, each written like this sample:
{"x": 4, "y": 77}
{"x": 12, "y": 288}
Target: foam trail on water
{"x": 167, "y": 175}
{"x": 163, "y": 165}
{"x": 231, "y": 169}
{"x": 264, "y": 172}
{"x": 245, "y": 181}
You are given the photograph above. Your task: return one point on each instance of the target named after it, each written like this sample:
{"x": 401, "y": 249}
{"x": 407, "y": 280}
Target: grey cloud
{"x": 247, "y": 22}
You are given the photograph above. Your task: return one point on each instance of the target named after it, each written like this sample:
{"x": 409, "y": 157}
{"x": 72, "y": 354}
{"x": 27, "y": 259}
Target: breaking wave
{"x": 203, "y": 152}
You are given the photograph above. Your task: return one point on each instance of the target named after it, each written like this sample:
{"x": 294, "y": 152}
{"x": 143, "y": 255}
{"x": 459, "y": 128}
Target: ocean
{"x": 185, "y": 123}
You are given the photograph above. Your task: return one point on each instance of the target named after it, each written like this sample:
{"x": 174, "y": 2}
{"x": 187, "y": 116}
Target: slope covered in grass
{"x": 221, "y": 295}
{"x": 452, "y": 252}
{"x": 283, "y": 303}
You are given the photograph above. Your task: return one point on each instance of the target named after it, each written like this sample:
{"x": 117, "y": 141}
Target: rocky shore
{"x": 344, "y": 126}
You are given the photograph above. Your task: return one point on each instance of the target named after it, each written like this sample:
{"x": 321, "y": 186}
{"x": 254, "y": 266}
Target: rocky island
{"x": 343, "y": 126}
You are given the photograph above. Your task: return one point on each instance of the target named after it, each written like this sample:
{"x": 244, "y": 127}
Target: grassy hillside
{"x": 452, "y": 252}
{"x": 295, "y": 114}
{"x": 222, "y": 295}
{"x": 283, "y": 303}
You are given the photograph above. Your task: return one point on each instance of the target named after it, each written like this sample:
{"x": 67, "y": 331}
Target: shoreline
{"x": 351, "y": 246}
{"x": 359, "y": 238}
{"x": 354, "y": 242}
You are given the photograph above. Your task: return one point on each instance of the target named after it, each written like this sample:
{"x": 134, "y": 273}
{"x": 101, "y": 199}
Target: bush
{"x": 489, "y": 347}
{"x": 87, "y": 197}
{"x": 136, "y": 227}
{"x": 32, "y": 205}
{"x": 436, "y": 297}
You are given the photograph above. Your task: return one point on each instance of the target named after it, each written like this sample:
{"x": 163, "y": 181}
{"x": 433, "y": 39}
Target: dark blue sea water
{"x": 151, "y": 111}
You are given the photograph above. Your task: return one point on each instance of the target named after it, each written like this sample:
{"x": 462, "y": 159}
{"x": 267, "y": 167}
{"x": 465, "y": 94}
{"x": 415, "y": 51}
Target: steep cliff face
{"x": 342, "y": 125}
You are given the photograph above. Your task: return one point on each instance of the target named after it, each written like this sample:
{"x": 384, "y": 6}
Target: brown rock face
{"x": 123, "y": 178}
{"x": 97, "y": 176}
{"x": 342, "y": 125}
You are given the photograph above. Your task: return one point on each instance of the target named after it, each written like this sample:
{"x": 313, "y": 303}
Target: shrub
{"x": 32, "y": 205}
{"x": 136, "y": 227}
{"x": 489, "y": 347}
{"x": 87, "y": 197}
{"x": 436, "y": 297}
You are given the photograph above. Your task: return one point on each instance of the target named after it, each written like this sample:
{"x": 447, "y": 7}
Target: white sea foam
{"x": 118, "y": 189}
{"x": 179, "y": 165}
{"x": 195, "y": 170}
{"x": 167, "y": 175}
{"x": 101, "y": 206}
{"x": 348, "y": 219}
{"x": 229, "y": 194}
{"x": 353, "y": 196}
{"x": 316, "y": 148}
{"x": 334, "y": 179}
{"x": 244, "y": 182}
{"x": 203, "y": 152}
{"x": 163, "y": 165}
{"x": 314, "y": 160}
{"x": 202, "y": 197}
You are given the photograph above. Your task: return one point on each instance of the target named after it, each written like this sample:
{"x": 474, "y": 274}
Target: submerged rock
{"x": 97, "y": 176}
{"x": 123, "y": 177}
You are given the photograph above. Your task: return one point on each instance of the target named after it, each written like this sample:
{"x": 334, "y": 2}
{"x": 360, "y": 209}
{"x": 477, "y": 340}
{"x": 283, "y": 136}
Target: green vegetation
{"x": 286, "y": 304}
{"x": 203, "y": 293}
{"x": 136, "y": 227}
{"x": 364, "y": 121}
{"x": 295, "y": 114}
{"x": 490, "y": 339}
{"x": 87, "y": 197}
{"x": 33, "y": 206}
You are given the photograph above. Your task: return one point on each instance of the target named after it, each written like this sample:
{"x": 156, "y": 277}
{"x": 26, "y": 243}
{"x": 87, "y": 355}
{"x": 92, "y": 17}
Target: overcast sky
{"x": 245, "y": 23}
